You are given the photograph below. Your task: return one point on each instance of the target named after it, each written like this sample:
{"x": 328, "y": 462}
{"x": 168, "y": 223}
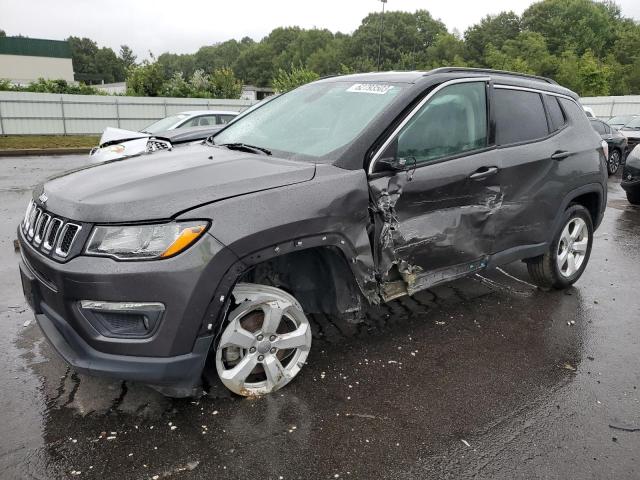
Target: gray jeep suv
{"x": 351, "y": 189}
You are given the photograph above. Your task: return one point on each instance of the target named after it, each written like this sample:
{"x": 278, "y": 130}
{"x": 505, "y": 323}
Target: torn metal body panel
{"x": 330, "y": 211}
{"x": 436, "y": 223}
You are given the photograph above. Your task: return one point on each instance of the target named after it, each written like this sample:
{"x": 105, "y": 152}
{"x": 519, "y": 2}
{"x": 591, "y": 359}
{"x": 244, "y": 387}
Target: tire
{"x": 568, "y": 254}
{"x": 264, "y": 343}
{"x": 615, "y": 159}
{"x": 634, "y": 196}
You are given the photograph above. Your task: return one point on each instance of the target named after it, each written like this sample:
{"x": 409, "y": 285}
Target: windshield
{"x": 620, "y": 120}
{"x": 635, "y": 123}
{"x": 313, "y": 120}
{"x": 164, "y": 124}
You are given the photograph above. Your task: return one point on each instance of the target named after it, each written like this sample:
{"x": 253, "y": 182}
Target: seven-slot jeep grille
{"x": 49, "y": 233}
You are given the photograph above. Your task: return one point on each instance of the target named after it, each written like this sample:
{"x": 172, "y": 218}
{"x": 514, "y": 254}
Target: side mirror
{"x": 389, "y": 159}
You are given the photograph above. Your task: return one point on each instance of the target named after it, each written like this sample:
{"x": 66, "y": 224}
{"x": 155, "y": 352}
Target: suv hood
{"x": 159, "y": 186}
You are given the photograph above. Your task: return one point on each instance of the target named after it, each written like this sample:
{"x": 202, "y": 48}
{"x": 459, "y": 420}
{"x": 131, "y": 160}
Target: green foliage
{"x": 51, "y": 86}
{"x": 288, "y": 80}
{"x": 93, "y": 64}
{"x": 578, "y": 25}
{"x": 127, "y": 57}
{"x": 145, "y": 80}
{"x": 221, "y": 83}
{"x": 492, "y": 30}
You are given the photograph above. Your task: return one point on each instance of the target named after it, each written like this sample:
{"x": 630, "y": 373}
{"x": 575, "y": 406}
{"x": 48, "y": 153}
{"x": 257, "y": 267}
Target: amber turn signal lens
{"x": 186, "y": 238}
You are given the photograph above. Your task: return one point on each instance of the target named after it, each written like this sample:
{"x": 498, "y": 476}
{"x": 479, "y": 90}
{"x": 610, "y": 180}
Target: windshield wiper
{"x": 246, "y": 147}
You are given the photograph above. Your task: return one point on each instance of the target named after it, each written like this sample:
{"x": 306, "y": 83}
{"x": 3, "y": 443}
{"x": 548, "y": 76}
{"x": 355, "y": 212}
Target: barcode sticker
{"x": 375, "y": 88}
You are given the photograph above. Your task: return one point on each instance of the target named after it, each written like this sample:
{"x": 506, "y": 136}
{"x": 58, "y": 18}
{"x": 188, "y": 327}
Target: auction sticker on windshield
{"x": 376, "y": 88}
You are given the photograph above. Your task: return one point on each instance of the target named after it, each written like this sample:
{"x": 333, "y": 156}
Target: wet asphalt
{"x": 487, "y": 377}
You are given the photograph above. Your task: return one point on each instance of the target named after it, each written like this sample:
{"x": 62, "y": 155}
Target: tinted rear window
{"x": 520, "y": 116}
{"x": 573, "y": 111}
{"x": 555, "y": 112}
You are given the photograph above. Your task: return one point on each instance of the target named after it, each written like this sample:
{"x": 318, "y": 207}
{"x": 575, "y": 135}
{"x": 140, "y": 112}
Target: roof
{"x": 447, "y": 73}
{"x": 35, "y": 47}
{"x": 208, "y": 112}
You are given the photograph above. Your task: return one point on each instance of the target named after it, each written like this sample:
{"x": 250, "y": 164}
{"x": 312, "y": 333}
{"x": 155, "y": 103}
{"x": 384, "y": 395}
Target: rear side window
{"x": 224, "y": 119}
{"x": 573, "y": 111}
{"x": 555, "y": 112}
{"x": 520, "y": 116}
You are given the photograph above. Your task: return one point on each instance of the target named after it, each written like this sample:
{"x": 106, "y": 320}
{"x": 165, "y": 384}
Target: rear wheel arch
{"x": 590, "y": 196}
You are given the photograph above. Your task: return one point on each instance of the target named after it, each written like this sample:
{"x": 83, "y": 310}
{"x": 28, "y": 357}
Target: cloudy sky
{"x": 184, "y": 26}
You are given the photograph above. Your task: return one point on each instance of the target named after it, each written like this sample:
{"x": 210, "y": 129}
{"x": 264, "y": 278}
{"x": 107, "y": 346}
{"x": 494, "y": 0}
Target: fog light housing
{"x": 123, "y": 319}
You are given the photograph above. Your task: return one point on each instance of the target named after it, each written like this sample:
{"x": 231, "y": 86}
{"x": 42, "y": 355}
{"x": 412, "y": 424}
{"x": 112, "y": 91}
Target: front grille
{"x": 48, "y": 232}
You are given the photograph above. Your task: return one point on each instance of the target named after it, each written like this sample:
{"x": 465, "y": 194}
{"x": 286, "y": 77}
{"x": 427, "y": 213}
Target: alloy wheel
{"x": 572, "y": 247}
{"x": 265, "y": 342}
{"x": 614, "y": 162}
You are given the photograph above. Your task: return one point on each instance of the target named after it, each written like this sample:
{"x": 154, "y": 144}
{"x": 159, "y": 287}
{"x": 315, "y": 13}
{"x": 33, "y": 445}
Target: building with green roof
{"x": 23, "y": 60}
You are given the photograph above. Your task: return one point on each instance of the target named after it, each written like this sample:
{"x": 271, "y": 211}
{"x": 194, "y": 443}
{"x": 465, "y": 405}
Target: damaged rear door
{"x": 435, "y": 191}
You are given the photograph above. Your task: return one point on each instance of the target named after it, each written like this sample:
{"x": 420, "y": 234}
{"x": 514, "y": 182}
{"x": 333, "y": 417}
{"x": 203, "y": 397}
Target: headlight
{"x": 144, "y": 242}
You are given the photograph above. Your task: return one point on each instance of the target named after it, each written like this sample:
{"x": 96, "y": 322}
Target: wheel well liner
{"x": 319, "y": 278}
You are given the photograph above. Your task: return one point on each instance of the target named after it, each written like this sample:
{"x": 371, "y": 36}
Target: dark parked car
{"x": 632, "y": 131}
{"x": 617, "y": 144}
{"x": 631, "y": 176}
{"x": 620, "y": 121}
{"x": 348, "y": 190}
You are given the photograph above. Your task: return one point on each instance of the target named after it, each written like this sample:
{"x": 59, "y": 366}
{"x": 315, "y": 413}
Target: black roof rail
{"x": 490, "y": 71}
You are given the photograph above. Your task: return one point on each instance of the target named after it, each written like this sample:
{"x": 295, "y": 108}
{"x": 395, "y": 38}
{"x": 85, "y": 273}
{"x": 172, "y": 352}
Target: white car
{"x": 194, "y": 118}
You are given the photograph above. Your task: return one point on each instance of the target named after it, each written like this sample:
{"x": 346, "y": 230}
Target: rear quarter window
{"x": 555, "y": 112}
{"x": 520, "y": 116}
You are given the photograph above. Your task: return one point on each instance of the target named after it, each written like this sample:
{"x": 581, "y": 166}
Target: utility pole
{"x": 381, "y": 30}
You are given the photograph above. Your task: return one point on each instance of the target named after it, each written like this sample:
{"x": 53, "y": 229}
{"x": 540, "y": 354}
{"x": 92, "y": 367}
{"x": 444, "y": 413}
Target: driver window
{"x": 453, "y": 121}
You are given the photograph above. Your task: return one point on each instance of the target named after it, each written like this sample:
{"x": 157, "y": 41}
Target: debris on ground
{"x": 465, "y": 442}
{"x": 624, "y": 428}
{"x": 568, "y": 366}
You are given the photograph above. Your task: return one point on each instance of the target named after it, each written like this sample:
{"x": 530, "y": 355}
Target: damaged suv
{"x": 351, "y": 189}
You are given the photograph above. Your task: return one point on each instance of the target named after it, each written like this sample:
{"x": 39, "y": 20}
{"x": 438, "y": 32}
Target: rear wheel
{"x": 265, "y": 342}
{"x": 568, "y": 254}
{"x": 614, "y": 161}
{"x": 634, "y": 196}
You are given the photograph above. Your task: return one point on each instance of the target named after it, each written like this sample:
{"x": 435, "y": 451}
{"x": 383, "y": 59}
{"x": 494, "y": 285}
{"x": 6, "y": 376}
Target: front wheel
{"x": 614, "y": 161}
{"x": 568, "y": 254}
{"x": 265, "y": 341}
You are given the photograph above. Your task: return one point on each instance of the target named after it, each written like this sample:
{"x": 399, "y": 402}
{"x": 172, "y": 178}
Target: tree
{"x": 288, "y": 80}
{"x": 492, "y": 29}
{"x": 404, "y": 34}
{"x": 127, "y": 57}
{"x": 172, "y": 63}
{"x": 93, "y": 64}
{"x": 224, "y": 84}
{"x": 527, "y": 53}
{"x": 145, "y": 80}
{"x": 176, "y": 86}
{"x": 2, "y": 33}
{"x": 584, "y": 74}
{"x": 578, "y": 25}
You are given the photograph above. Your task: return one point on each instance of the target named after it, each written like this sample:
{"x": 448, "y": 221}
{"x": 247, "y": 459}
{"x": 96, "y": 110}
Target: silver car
{"x": 193, "y": 118}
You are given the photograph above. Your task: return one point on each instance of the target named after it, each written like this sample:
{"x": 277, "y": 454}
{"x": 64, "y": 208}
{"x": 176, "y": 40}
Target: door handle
{"x": 560, "y": 155}
{"x": 483, "y": 172}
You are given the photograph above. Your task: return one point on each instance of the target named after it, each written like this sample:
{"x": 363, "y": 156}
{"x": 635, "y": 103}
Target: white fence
{"x": 25, "y": 113}
{"x": 607, "y": 107}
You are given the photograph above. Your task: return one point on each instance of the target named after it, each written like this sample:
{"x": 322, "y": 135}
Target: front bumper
{"x": 174, "y": 354}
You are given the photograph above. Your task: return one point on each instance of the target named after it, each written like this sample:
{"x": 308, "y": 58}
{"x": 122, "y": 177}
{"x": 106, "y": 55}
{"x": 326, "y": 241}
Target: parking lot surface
{"x": 487, "y": 377}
